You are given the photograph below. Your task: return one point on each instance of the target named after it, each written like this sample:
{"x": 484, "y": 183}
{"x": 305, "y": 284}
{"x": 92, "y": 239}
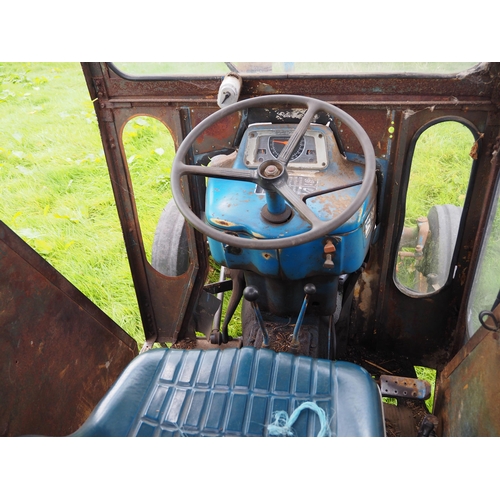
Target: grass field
{"x": 440, "y": 169}
{"x": 56, "y": 191}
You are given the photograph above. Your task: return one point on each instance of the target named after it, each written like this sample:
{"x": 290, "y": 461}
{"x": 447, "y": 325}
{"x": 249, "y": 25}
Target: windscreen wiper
{"x": 231, "y": 67}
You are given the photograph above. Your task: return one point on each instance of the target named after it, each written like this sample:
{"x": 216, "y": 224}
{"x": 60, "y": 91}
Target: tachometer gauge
{"x": 277, "y": 143}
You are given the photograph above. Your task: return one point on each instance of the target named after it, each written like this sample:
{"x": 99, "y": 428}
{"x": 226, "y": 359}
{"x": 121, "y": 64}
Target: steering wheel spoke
{"x": 298, "y": 204}
{"x": 218, "y": 172}
{"x": 298, "y": 133}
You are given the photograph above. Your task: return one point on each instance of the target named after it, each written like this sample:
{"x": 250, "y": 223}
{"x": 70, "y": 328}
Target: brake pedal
{"x": 414, "y": 388}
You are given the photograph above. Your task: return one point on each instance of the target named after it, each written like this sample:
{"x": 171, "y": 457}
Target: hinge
{"x": 103, "y": 110}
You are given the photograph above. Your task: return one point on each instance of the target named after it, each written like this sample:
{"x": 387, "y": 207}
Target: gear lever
{"x": 251, "y": 294}
{"x": 309, "y": 290}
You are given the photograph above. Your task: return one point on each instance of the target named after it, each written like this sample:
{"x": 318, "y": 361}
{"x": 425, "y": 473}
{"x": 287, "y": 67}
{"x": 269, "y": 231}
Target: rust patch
{"x": 41, "y": 393}
{"x": 475, "y": 146}
{"x": 221, "y": 222}
{"x": 222, "y": 132}
{"x": 473, "y": 385}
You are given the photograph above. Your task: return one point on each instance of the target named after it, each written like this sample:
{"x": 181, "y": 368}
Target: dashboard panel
{"x": 265, "y": 142}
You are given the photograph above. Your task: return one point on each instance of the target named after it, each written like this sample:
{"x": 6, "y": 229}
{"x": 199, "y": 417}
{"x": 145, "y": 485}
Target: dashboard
{"x": 265, "y": 142}
{"x": 320, "y": 175}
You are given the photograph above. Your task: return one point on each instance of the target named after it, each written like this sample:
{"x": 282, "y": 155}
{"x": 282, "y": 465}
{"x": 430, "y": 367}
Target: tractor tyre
{"x": 170, "y": 254}
{"x": 444, "y": 222}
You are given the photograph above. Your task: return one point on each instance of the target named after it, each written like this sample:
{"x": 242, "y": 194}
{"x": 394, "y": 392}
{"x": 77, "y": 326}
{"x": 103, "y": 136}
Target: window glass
{"x": 173, "y": 69}
{"x": 439, "y": 178}
{"x": 222, "y": 68}
{"x": 486, "y": 289}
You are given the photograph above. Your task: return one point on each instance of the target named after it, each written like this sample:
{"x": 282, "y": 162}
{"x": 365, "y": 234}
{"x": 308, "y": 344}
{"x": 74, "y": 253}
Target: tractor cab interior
{"x": 298, "y": 183}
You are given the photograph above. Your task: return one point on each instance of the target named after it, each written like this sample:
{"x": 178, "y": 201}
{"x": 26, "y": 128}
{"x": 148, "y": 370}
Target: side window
{"x": 440, "y": 171}
{"x": 149, "y": 149}
{"x": 485, "y": 294}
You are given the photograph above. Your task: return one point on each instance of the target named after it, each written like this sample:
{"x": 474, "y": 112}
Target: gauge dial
{"x": 277, "y": 143}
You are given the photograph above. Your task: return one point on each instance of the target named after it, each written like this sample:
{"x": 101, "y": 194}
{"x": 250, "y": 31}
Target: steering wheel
{"x": 271, "y": 175}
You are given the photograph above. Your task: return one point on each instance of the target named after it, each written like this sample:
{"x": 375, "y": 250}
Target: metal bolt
{"x": 271, "y": 171}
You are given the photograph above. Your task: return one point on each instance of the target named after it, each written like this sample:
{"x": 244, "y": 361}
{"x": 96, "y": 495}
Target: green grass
{"x": 56, "y": 192}
{"x": 55, "y": 187}
{"x": 150, "y": 151}
{"x": 428, "y": 374}
{"x": 440, "y": 169}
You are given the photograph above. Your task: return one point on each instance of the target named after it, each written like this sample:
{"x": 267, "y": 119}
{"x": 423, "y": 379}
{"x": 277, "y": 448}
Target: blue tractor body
{"x": 237, "y": 207}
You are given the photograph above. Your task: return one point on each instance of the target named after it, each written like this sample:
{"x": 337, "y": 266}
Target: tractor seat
{"x": 235, "y": 392}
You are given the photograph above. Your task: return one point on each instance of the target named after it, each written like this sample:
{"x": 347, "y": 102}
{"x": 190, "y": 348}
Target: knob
{"x": 251, "y": 293}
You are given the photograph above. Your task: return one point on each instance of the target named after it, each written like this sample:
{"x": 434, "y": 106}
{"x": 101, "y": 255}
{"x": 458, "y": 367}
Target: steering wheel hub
{"x": 271, "y": 169}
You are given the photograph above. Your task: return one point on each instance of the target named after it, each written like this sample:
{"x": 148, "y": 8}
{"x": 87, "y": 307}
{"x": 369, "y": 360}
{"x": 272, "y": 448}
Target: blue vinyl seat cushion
{"x": 235, "y": 392}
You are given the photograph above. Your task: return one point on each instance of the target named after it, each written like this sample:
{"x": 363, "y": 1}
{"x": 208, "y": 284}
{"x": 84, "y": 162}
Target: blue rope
{"x": 282, "y": 424}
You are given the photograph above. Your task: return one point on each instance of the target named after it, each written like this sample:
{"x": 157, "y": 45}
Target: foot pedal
{"x": 403, "y": 387}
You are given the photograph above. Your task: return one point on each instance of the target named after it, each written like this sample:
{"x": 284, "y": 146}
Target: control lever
{"x": 251, "y": 294}
{"x": 309, "y": 290}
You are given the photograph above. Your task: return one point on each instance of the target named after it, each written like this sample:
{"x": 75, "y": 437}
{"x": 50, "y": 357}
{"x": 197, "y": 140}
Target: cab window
{"x": 485, "y": 295}
{"x": 439, "y": 178}
{"x": 305, "y": 68}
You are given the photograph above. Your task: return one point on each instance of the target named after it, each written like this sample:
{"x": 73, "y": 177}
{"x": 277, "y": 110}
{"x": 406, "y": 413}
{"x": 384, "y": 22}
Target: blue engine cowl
{"x": 316, "y": 165}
